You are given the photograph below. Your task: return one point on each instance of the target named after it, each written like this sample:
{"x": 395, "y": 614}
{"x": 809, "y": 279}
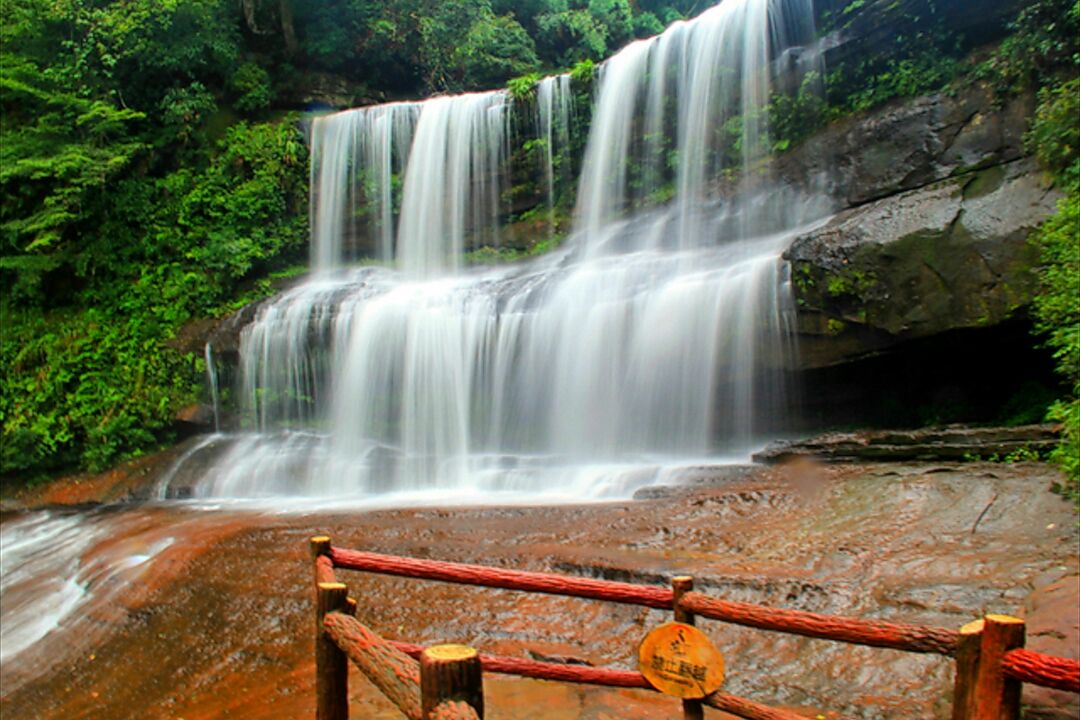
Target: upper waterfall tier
{"x": 452, "y": 152}
{"x": 681, "y": 108}
{"x": 415, "y": 183}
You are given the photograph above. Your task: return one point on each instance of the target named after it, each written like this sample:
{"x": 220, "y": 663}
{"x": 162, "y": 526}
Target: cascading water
{"x": 656, "y": 334}
{"x": 212, "y": 381}
{"x": 554, "y": 107}
{"x": 354, "y": 156}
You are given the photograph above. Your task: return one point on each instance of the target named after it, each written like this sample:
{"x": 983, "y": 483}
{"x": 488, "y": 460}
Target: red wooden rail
{"x": 608, "y": 677}
{"x": 990, "y": 660}
{"x": 1046, "y": 670}
{"x": 912, "y": 638}
{"x": 462, "y": 574}
{"x": 561, "y": 672}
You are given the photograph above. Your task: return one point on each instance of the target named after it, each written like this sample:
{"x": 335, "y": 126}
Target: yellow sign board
{"x": 680, "y": 660}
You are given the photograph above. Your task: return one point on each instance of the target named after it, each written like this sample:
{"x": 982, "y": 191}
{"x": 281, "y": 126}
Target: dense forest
{"x": 154, "y": 171}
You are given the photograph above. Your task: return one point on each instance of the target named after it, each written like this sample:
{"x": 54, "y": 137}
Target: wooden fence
{"x": 445, "y": 682}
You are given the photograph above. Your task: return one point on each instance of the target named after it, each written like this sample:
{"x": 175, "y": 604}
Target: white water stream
{"x": 67, "y": 570}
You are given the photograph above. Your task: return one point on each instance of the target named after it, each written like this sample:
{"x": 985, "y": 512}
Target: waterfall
{"x": 354, "y": 157}
{"x": 452, "y": 153}
{"x": 668, "y": 101}
{"x": 453, "y": 181}
{"x": 658, "y": 333}
{"x": 212, "y": 381}
{"x": 553, "y": 116}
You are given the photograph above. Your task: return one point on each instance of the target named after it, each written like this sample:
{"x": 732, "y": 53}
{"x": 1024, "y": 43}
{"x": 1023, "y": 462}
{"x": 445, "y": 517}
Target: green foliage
{"x": 1067, "y": 453}
{"x": 793, "y": 118}
{"x": 58, "y": 151}
{"x": 571, "y": 36}
{"x": 442, "y": 28}
{"x": 1055, "y": 132}
{"x": 1051, "y": 46}
{"x": 84, "y": 388}
{"x": 89, "y": 386}
{"x": 922, "y": 55}
{"x": 583, "y": 71}
{"x": 646, "y": 25}
{"x": 1019, "y": 455}
{"x": 136, "y": 50}
{"x": 246, "y": 208}
{"x": 495, "y": 49}
{"x": 923, "y": 73}
{"x": 1057, "y": 313}
{"x": 492, "y": 256}
{"x": 251, "y": 84}
{"x": 1045, "y": 41}
{"x": 184, "y": 111}
{"x": 524, "y": 87}
{"x": 120, "y": 220}
{"x": 616, "y": 18}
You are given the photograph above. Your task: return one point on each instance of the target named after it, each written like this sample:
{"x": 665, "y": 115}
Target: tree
{"x": 568, "y": 37}
{"x": 495, "y": 50}
{"x": 616, "y": 18}
{"x": 58, "y": 151}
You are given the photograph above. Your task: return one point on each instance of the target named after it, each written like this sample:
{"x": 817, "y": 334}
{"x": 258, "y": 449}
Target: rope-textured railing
{"x": 395, "y": 674}
{"x": 453, "y": 710}
{"x": 1039, "y": 669}
{"x": 390, "y": 672}
{"x": 560, "y": 672}
{"x": 990, "y": 660}
{"x": 464, "y": 574}
{"x": 912, "y": 638}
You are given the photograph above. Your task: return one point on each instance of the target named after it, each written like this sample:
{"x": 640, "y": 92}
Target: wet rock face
{"x": 1053, "y": 627}
{"x": 931, "y": 444}
{"x": 908, "y": 144}
{"x": 953, "y": 254}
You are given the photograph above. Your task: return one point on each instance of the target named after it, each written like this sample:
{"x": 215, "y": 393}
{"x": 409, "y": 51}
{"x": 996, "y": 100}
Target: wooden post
{"x": 320, "y": 545}
{"x": 680, "y": 585}
{"x": 331, "y": 664}
{"x": 967, "y": 667}
{"x": 450, "y": 673}
{"x": 997, "y": 697}
{"x": 320, "y": 548}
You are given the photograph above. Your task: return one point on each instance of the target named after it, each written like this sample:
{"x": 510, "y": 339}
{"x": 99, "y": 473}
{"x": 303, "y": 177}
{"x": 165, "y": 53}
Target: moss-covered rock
{"x": 951, "y": 255}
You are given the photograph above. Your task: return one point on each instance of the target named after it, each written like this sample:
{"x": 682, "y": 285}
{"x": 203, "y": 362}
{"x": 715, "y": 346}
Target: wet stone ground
{"x": 220, "y": 623}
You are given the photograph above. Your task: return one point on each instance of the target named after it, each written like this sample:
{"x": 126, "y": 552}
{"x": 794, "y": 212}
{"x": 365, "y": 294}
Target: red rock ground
{"x": 219, "y": 625}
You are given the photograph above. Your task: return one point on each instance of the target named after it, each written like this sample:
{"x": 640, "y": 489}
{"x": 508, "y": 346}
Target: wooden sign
{"x": 680, "y": 660}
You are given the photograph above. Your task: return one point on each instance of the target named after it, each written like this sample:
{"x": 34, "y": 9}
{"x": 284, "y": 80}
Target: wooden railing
{"x": 445, "y": 682}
